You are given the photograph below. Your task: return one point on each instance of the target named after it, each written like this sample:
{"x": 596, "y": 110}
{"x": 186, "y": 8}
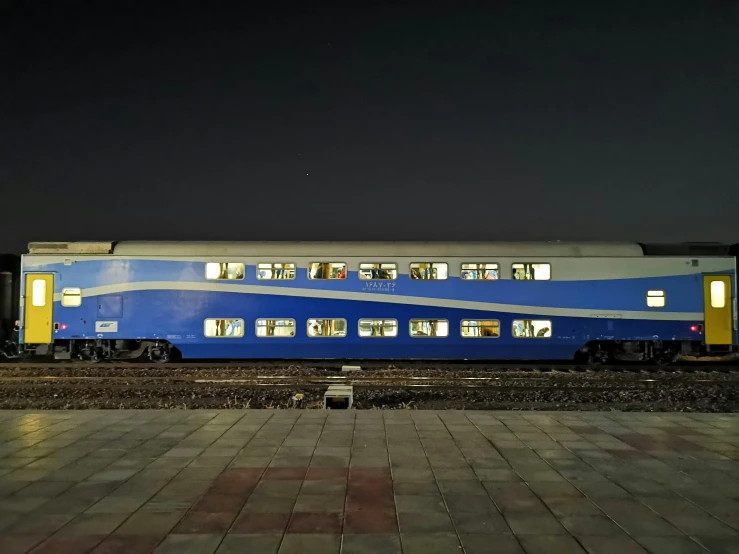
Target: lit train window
{"x": 429, "y": 328}
{"x": 656, "y": 298}
{"x": 275, "y": 328}
{"x": 428, "y": 271}
{"x": 532, "y": 272}
{"x": 327, "y": 270}
{"x": 224, "y": 328}
{"x": 38, "y": 293}
{"x": 378, "y": 328}
{"x": 718, "y": 294}
{"x": 71, "y": 298}
{"x": 482, "y": 328}
{"x": 327, "y": 327}
{"x": 225, "y": 270}
{"x": 532, "y": 329}
{"x": 378, "y": 271}
{"x": 273, "y": 271}
{"x": 479, "y": 272}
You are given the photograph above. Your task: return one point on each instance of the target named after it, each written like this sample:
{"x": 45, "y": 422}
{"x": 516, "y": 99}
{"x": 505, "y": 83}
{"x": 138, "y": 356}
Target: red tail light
{"x": 695, "y": 328}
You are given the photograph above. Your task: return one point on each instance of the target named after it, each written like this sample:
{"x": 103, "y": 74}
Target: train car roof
{"x": 375, "y": 249}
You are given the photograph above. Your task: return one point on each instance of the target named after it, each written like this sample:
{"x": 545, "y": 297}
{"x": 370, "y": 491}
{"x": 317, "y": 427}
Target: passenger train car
{"x": 454, "y": 301}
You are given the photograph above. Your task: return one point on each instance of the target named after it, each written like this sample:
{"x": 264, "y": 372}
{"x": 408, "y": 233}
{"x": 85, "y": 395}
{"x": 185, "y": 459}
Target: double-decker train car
{"x": 452, "y": 301}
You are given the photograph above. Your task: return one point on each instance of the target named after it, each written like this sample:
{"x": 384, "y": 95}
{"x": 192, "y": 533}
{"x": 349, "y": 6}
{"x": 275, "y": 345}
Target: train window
{"x": 275, "y": 328}
{"x": 38, "y": 293}
{"x": 429, "y": 328}
{"x": 224, "y": 270}
{"x": 428, "y": 271}
{"x": 327, "y": 270}
{"x": 327, "y": 327}
{"x": 718, "y": 294}
{"x": 71, "y": 298}
{"x": 656, "y": 298}
{"x": 378, "y": 328}
{"x": 378, "y": 271}
{"x": 532, "y": 272}
{"x": 531, "y": 328}
{"x": 480, "y": 328}
{"x": 275, "y": 271}
{"x": 479, "y": 272}
{"x": 224, "y": 328}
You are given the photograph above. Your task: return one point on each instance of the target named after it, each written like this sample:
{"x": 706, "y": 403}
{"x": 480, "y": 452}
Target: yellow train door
{"x": 717, "y": 308}
{"x": 38, "y": 308}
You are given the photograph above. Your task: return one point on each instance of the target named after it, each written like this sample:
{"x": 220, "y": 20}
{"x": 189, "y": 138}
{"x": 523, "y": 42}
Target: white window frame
{"x": 549, "y": 321}
{"x": 429, "y": 319}
{"x": 373, "y": 319}
{"x": 656, "y": 294}
{"x": 265, "y": 319}
{"x": 293, "y": 267}
{"x": 243, "y": 274}
{"x": 307, "y": 328}
{"x": 462, "y": 326}
{"x": 207, "y": 336}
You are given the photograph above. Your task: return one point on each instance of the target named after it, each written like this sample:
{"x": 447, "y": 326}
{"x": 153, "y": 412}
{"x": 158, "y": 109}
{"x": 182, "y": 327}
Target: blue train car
{"x": 454, "y": 301}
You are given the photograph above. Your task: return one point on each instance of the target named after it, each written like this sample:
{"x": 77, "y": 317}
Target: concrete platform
{"x": 375, "y": 482}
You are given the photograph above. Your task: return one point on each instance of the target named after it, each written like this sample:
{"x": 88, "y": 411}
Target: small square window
{"x": 656, "y": 299}
{"x": 71, "y": 298}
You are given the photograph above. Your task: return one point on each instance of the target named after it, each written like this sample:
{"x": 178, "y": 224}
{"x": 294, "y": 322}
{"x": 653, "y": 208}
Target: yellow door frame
{"x": 717, "y": 308}
{"x": 38, "y": 308}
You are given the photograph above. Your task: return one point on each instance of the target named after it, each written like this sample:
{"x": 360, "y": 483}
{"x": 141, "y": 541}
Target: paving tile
{"x": 68, "y": 545}
{"x": 487, "y": 543}
{"x": 362, "y": 523}
{"x": 150, "y": 523}
{"x": 205, "y": 522}
{"x": 671, "y": 545}
{"x": 430, "y": 543}
{"x": 311, "y": 544}
{"x": 19, "y": 544}
{"x": 477, "y": 523}
{"x": 250, "y": 544}
{"x": 324, "y": 523}
{"x": 582, "y": 525}
{"x": 320, "y": 503}
{"x": 550, "y": 544}
{"x": 189, "y": 544}
{"x": 371, "y": 544}
{"x": 525, "y": 523}
{"x": 425, "y": 523}
{"x": 419, "y": 504}
{"x": 127, "y": 544}
{"x": 260, "y": 523}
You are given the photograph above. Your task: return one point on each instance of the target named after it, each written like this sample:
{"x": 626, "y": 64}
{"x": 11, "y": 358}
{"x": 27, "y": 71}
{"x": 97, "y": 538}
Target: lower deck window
{"x": 480, "y": 328}
{"x": 532, "y": 328}
{"x": 327, "y": 327}
{"x": 224, "y": 328}
{"x": 275, "y": 328}
{"x": 378, "y": 328}
{"x": 429, "y": 328}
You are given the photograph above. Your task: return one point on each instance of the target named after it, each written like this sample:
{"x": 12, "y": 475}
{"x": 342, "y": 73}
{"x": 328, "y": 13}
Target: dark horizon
{"x": 613, "y": 122}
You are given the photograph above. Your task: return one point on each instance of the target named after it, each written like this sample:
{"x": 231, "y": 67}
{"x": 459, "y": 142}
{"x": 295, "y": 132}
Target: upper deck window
{"x": 271, "y": 271}
{"x": 479, "y": 272}
{"x": 532, "y": 272}
{"x": 368, "y": 271}
{"x": 327, "y": 270}
{"x": 426, "y": 271}
{"x": 231, "y": 271}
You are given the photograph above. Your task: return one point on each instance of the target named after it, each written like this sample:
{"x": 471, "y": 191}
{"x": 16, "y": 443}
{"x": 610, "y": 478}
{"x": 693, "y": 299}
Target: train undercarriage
{"x": 161, "y": 351}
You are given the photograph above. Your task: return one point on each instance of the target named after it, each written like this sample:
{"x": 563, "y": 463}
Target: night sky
{"x": 510, "y": 121}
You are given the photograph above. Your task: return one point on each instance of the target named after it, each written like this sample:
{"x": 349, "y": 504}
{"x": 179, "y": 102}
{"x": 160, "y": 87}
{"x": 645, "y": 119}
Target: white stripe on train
{"x": 387, "y": 298}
